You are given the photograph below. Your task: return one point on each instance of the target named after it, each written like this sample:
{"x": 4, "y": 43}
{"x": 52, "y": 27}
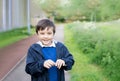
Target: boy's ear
{"x": 38, "y": 33}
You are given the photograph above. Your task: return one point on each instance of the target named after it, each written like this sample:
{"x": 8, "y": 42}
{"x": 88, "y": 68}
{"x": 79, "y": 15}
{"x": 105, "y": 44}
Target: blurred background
{"x": 91, "y": 32}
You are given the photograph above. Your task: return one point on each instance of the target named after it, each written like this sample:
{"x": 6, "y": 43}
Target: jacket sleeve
{"x": 68, "y": 58}
{"x": 34, "y": 65}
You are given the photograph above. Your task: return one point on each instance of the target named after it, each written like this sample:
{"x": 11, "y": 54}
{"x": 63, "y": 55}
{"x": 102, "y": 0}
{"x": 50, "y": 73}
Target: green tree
{"x": 49, "y": 6}
{"x": 81, "y": 9}
{"x": 110, "y": 9}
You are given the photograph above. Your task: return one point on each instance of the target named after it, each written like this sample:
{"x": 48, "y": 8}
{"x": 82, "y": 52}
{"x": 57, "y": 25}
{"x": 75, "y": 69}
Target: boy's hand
{"x": 59, "y": 63}
{"x": 48, "y": 63}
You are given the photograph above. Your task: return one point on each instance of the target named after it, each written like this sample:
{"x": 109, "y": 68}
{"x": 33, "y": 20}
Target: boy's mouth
{"x": 46, "y": 42}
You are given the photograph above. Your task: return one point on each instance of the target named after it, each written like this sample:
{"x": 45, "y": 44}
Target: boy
{"x": 47, "y": 59}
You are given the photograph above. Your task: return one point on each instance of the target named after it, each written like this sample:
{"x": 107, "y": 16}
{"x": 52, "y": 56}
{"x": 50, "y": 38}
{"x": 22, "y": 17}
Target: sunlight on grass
{"x": 12, "y": 36}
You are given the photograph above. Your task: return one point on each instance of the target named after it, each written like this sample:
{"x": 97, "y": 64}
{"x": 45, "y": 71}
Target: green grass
{"x": 110, "y": 29}
{"x": 83, "y": 70}
{"x": 9, "y": 37}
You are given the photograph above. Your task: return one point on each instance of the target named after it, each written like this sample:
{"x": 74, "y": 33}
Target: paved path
{"x": 11, "y": 55}
{"x": 17, "y": 73}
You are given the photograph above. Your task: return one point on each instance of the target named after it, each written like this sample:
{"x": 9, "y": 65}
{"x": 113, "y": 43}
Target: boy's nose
{"x": 45, "y": 36}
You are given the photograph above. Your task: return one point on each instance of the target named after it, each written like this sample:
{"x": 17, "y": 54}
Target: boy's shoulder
{"x": 35, "y": 46}
{"x": 60, "y": 44}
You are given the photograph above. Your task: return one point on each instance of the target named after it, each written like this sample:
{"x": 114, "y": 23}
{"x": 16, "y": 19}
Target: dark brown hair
{"x": 44, "y": 23}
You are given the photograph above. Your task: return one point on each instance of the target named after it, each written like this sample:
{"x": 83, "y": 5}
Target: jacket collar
{"x": 52, "y": 45}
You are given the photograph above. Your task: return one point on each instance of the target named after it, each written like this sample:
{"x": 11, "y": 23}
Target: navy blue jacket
{"x": 35, "y": 60}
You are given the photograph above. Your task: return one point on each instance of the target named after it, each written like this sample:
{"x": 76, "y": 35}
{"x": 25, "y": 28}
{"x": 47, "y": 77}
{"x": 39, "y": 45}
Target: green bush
{"x": 102, "y": 45}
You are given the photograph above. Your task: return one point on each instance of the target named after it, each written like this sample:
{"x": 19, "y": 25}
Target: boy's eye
{"x": 42, "y": 33}
{"x": 49, "y": 33}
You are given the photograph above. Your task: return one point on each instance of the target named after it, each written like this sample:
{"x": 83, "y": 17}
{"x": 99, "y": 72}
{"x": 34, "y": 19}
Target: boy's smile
{"x": 46, "y": 36}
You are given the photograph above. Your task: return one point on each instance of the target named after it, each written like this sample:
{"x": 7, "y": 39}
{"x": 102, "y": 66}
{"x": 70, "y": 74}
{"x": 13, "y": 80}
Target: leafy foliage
{"x": 92, "y": 10}
{"x": 101, "y": 45}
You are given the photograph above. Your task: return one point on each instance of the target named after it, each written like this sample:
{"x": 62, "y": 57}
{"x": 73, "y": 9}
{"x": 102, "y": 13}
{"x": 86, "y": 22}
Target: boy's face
{"x": 46, "y": 36}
